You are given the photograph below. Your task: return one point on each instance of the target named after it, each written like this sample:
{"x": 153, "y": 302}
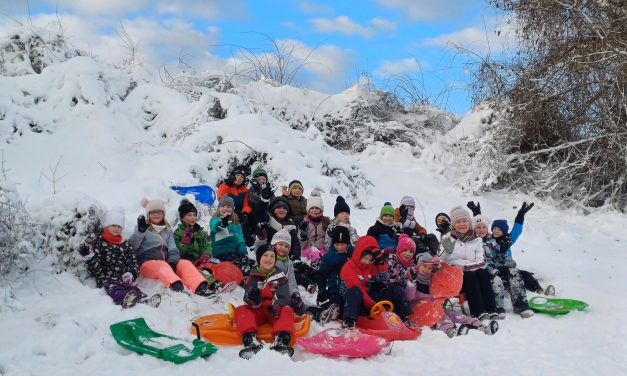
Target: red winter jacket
{"x": 355, "y": 273}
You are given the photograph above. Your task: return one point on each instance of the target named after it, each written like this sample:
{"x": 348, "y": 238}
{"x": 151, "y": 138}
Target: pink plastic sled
{"x": 344, "y": 343}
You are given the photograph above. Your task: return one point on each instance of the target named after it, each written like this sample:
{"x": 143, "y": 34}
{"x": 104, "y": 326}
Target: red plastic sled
{"x": 224, "y": 271}
{"x": 384, "y": 323}
{"x": 446, "y": 282}
{"x": 344, "y": 343}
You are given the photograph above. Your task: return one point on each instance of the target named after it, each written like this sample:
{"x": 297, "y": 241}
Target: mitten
{"x": 254, "y": 297}
{"x": 382, "y": 277}
{"x": 520, "y": 217}
{"x": 443, "y": 226}
{"x": 448, "y": 243}
{"x": 297, "y": 302}
{"x": 475, "y": 208}
{"x": 504, "y": 242}
{"x": 203, "y": 259}
{"x": 187, "y": 236}
{"x": 224, "y": 222}
{"x": 142, "y": 226}
{"x": 197, "y": 227}
{"x": 127, "y": 278}
{"x": 402, "y": 211}
{"x": 302, "y": 230}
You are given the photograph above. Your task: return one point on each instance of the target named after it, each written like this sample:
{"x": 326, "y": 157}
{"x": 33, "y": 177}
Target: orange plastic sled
{"x": 219, "y": 329}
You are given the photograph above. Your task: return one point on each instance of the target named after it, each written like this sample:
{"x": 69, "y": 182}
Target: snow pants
{"x": 186, "y": 272}
{"x": 514, "y": 284}
{"x": 354, "y": 306}
{"x": 531, "y": 283}
{"x": 477, "y": 287}
{"x": 248, "y": 319}
{"x": 451, "y": 318}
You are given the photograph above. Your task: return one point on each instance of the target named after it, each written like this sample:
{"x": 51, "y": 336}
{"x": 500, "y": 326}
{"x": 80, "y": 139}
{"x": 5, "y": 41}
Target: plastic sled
{"x": 384, "y": 323}
{"x": 427, "y": 312}
{"x": 446, "y": 282}
{"x": 220, "y": 329}
{"x": 224, "y": 271}
{"x": 202, "y": 193}
{"x": 344, "y": 343}
{"x": 137, "y": 336}
{"x": 556, "y": 306}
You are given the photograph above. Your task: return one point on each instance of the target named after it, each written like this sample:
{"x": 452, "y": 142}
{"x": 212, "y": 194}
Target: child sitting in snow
{"x": 191, "y": 240}
{"x": 267, "y": 298}
{"x": 227, "y": 238}
{"x": 111, "y": 261}
{"x": 298, "y": 203}
{"x": 235, "y": 187}
{"x": 385, "y": 230}
{"x": 328, "y": 275}
{"x": 260, "y": 194}
{"x": 342, "y": 213}
{"x": 313, "y": 228}
{"x": 404, "y": 215}
{"x": 157, "y": 255}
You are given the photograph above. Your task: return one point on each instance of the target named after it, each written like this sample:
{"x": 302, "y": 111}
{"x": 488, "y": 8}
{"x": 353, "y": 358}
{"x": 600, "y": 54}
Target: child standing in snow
{"x": 235, "y": 187}
{"x": 157, "y": 255}
{"x": 191, "y": 240}
{"x": 342, "y": 213}
{"x": 328, "y": 275}
{"x": 227, "y": 238}
{"x": 298, "y": 203}
{"x": 404, "y": 215}
{"x": 267, "y": 298}
{"x": 313, "y": 228}
{"x": 385, "y": 230}
{"x": 110, "y": 260}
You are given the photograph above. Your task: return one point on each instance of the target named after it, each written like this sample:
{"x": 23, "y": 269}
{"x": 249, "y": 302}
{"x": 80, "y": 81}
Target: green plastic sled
{"x": 556, "y": 306}
{"x": 135, "y": 335}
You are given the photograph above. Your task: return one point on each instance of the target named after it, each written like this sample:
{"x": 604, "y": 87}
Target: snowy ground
{"x": 56, "y": 325}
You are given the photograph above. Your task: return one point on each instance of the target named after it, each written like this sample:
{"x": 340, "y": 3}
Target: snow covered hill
{"x": 80, "y": 136}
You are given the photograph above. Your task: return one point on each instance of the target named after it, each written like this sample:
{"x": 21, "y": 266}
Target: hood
{"x": 364, "y": 243}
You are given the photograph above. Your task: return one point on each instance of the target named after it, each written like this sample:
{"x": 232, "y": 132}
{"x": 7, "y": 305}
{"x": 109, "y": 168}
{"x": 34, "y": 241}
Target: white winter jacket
{"x": 467, "y": 254}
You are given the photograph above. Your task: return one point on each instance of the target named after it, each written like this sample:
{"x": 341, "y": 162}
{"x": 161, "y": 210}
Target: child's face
{"x": 425, "y": 268}
{"x": 342, "y": 217}
{"x": 296, "y": 192}
{"x": 114, "y": 230}
{"x": 280, "y": 213}
{"x": 462, "y": 226}
{"x": 496, "y": 232}
{"x": 189, "y": 219}
{"x": 481, "y": 229}
{"x": 341, "y": 247}
{"x": 222, "y": 210}
{"x": 267, "y": 261}
{"x": 239, "y": 179}
{"x": 282, "y": 248}
{"x": 261, "y": 180}
{"x": 407, "y": 254}
{"x": 156, "y": 217}
{"x": 367, "y": 259}
{"x": 314, "y": 211}
{"x": 387, "y": 219}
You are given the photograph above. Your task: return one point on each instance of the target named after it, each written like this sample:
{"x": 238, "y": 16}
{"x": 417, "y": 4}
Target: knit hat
{"x": 278, "y": 202}
{"x": 315, "y": 200}
{"x": 340, "y": 206}
{"x": 263, "y": 249}
{"x": 259, "y": 171}
{"x": 405, "y": 243}
{"x": 152, "y": 205}
{"x": 442, "y": 215}
{"x": 408, "y": 201}
{"x": 186, "y": 207}
{"x": 226, "y": 200}
{"x": 387, "y": 209}
{"x": 340, "y": 234}
{"x": 427, "y": 258}
{"x": 241, "y": 169}
{"x": 459, "y": 212}
{"x": 480, "y": 218}
{"x": 502, "y": 224}
{"x": 295, "y": 184}
{"x": 113, "y": 216}
{"x": 282, "y": 236}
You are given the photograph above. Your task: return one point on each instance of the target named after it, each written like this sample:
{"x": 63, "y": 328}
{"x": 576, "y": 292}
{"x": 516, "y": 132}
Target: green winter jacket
{"x": 199, "y": 245}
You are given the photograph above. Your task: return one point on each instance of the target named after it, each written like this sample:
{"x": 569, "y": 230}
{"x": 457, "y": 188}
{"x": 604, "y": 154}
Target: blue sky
{"x": 378, "y": 39}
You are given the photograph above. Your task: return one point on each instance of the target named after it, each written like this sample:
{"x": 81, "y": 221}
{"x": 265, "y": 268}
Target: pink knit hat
{"x": 405, "y": 243}
{"x": 459, "y": 212}
{"x": 152, "y": 205}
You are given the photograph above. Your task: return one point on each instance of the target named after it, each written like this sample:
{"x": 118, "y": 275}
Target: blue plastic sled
{"x": 203, "y": 193}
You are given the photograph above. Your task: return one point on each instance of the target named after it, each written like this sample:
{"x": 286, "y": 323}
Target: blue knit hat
{"x": 501, "y": 224}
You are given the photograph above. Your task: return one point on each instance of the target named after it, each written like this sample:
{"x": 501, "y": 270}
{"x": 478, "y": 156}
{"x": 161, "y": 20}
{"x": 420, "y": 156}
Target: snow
{"x": 120, "y": 142}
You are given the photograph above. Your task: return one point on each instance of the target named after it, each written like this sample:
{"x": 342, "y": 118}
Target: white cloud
{"x": 344, "y": 25}
{"x": 392, "y": 67}
{"x": 476, "y": 38}
{"x": 99, "y": 7}
{"x": 312, "y": 8}
{"x": 203, "y": 9}
{"x": 429, "y": 10}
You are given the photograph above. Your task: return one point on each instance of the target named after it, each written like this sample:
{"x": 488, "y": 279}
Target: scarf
{"x": 311, "y": 219}
{"x": 158, "y": 228}
{"x": 470, "y": 235}
{"x": 110, "y": 238}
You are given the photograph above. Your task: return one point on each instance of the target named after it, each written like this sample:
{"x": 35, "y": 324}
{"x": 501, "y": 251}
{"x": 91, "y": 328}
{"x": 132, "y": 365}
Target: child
{"x": 402, "y": 261}
{"x": 110, "y": 260}
{"x": 298, "y": 203}
{"x": 259, "y": 196}
{"x": 342, "y": 213}
{"x": 281, "y": 243}
{"x": 157, "y": 255}
{"x": 191, "y": 241}
{"x": 227, "y": 239}
{"x": 267, "y": 298}
{"x": 313, "y": 228}
{"x": 328, "y": 275}
{"x": 385, "y": 230}
{"x": 464, "y": 249}
{"x": 235, "y": 187}
{"x": 365, "y": 279}
{"x": 404, "y": 215}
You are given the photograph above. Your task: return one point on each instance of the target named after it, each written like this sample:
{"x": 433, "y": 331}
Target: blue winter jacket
{"x": 387, "y": 236}
{"x": 225, "y": 240}
{"x": 494, "y": 258}
{"x": 328, "y": 275}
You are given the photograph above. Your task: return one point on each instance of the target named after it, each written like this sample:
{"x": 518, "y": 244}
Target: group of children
{"x": 296, "y": 245}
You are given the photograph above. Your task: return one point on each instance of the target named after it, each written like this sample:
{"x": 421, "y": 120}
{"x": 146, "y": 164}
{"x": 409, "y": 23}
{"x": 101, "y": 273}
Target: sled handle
{"x": 380, "y": 307}
{"x": 197, "y": 327}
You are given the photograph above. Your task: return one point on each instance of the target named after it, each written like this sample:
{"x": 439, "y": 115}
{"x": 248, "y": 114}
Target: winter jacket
{"x": 387, "y": 236}
{"x": 110, "y": 261}
{"x": 239, "y": 195}
{"x": 468, "y": 254}
{"x": 286, "y": 266}
{"x": 494, "y": 257}
{"x": 315, "y": 233}
{"x": 298, "y": 207}
{"x": 153, "y": 245}
{"x": 417, "y": 229}
{"x": 275, "y": 288}
{"x": 328, "y": 275}
{"x": 334, "y": 222}
{"x": 275, "y": 225}
{"x": 399, "y": 273}
{"x": 258, "y": 193}
{"x": 199, "y": 245}
{"x": 226, "y": 240}
{"x": 354, "y": 273}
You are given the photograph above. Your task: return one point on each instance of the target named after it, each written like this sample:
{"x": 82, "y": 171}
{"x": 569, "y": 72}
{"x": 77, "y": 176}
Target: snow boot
{"x": 177, "y": 286}
{"x": 130, "y": 299}
{"x": 484, "y": 316}
{"x": 550, "y": 290}
{"x": 348, "y": 324}
{"x": 463, "y": 330}
{"x": 282, "y": 343}
{"x": 204, "y": 290}
{"x": 410, "y": 324}
{"x": 312, "y": 288}
{"x": 500, "y": 314}
{"x": 332, "y": 312}
{"x": 490, "y": 328}
{"x": 451, "y": 332}
{"x": 152, "y": 301}
{"x": 251, "y": 345}
{"x": 526, "y": 313}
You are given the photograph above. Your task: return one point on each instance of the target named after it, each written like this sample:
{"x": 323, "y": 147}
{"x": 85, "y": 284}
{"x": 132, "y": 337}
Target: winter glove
{"x": 187, "y": 236}
{"x": 443, "y": 226}
{"x": 244, "y": 218}
{"x": 254, "y": 297}
{"x": 173, "y": 265}
{"x": 142, "y": 226}
{"x": 504, "y": 242}
{"x": 224, "y": 222}
{"x": 203, "y": 259}
{"x": 402, "y": 211}
{"x": 229, "y": 181}
{"x": 127, "y": 278}
{"x": 85, "y": 251}
{"x": 262, "y": 233}
{"x": 302, "y": 230}
{"x": 197, "y": 227}
{"x": 379, "y": 256}
{"x": 297, "y": 302}
{"x": 448, "y": 243}
{"x": 431, "y": 241}
{"x": 382, "y": 277}
{"x": 520, "y": 217}
{"x": 409, "y": 223}
{"x": 266, "y": 193}
{"x": 475, "y": 208}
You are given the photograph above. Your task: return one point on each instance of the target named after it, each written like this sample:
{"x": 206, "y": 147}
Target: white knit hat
{"x": 459, "y": 212}
{"x": 315, "y": 200}
{"x": 408, "y": 201}
{"x": 480, "y": 218}
{"x": 281, "y": 236}
{"x": 113, "y": 216}
{"x": 152, "y": 205}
